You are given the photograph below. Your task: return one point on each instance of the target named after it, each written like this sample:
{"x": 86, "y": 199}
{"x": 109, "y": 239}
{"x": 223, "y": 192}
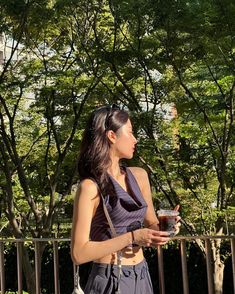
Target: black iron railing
{"x": 182, "y": 241}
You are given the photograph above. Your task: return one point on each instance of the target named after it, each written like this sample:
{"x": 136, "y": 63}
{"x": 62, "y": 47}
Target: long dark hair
{"x": 94, "y": 158}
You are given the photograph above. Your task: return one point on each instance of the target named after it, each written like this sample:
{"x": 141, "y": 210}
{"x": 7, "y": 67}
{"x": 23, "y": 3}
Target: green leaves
{"x": 169, "y": 62}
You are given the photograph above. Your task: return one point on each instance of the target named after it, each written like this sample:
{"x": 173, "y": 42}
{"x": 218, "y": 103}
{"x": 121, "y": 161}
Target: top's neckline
{"x": 129, "y": 190}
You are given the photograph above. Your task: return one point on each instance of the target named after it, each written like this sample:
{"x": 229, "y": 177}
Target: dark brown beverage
{"x": 167, "y": 223}
{"x": 167, "y": 220}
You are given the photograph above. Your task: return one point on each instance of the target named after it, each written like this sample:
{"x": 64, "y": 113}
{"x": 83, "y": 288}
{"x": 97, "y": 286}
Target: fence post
{"x": 37, "y": 267}
{"x": 19, "y": 266}
{"x": 184, "y": 266}
{"x": 56, "y": 267}
{"x": 209, "y": 267}
{"x": 2, "y": 268}
{"x": 161, "y": 270}
{"x": 233, "y": 262}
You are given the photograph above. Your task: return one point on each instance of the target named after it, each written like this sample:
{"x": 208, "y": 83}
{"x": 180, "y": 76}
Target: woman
{"x": 107, "y": 139}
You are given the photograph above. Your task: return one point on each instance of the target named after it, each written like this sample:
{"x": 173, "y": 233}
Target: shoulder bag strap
{"x": 113, "y": 231}
{"x": 114, "y": 234}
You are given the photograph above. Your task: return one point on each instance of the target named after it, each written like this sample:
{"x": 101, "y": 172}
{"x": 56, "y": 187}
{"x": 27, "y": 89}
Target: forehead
{"x": 127, "y": 125}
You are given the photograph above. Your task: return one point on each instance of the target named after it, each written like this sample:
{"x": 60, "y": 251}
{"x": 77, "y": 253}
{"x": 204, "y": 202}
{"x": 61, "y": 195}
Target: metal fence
{"x": 182, "y": 241}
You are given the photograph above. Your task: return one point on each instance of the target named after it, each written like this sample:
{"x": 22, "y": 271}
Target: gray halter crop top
{"x": 126, "y": 210}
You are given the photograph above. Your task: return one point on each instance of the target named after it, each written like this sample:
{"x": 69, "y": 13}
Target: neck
{"x": 114, "y": 170}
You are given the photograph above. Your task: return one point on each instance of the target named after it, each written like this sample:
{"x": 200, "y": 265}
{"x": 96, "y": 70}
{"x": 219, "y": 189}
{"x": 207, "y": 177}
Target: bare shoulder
{"x": 140, "y": 174}
{"x": 138, "y": 171}
{"x": 88, "y": 188}
{"x": 142, "y": 179}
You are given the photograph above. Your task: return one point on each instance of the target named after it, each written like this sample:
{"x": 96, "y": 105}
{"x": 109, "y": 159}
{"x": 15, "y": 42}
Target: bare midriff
{"x": 130, "y": 256}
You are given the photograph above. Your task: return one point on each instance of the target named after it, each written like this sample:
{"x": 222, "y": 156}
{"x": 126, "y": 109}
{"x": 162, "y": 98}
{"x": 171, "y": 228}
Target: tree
{"x": 144, "y": 55}
{"x": 206, "y": 128}
{"x": 197, "y": 44}
{"x": 43, "y": 91}
{"x": 191, "y": 45}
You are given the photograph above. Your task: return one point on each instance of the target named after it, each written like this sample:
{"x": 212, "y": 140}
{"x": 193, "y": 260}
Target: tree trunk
{"x": 218, "y": 276}
{"x": 29, "y": 268}
{"x": 218, "y": 268}
{"x": 29, "y": 271}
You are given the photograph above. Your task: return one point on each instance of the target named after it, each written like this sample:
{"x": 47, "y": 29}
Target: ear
{"x": 111, "y": 136}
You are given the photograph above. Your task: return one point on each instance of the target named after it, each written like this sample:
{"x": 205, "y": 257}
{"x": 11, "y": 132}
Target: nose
{"x": 135, "y": 140}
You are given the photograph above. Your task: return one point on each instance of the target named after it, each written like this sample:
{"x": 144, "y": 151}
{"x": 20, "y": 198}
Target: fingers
{"x": 178, "y": 218}
{"x": 159, "y": 241}
{"x": 159, "y": 238}
{"x": 177, "y": 207}
{"x": 160, "y": 233}
{"x": 152, "y": 238}
{"x": 177, "y": 227}
{"x": 147, "y": 237}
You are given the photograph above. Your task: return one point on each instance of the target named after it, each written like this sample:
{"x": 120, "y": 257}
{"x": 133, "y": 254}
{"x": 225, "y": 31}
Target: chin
{"x": 127, "y": 156}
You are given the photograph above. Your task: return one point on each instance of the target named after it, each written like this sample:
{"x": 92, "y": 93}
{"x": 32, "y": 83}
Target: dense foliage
{"x": 171, "y": 63}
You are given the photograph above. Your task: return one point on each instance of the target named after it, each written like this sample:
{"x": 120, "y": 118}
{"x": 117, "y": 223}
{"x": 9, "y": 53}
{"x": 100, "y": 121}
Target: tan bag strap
{"x": 113, "y": 231}
{"x": 114, "y": 234}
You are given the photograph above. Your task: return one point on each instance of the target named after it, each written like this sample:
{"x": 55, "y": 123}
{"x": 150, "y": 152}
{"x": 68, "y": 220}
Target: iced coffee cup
{"x": 167, "y": 220}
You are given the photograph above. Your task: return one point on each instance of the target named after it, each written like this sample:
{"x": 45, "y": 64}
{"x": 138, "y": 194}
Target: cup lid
{"x": 167, "y": 212}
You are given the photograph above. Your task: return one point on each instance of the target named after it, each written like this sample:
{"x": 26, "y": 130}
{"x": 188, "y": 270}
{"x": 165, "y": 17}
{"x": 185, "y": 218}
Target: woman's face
{"x": 124, "y": 142}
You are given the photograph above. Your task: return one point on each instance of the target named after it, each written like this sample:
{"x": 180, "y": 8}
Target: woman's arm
{"x": 82, "y": 249}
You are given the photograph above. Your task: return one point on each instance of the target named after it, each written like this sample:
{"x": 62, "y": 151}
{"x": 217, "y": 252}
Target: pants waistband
{"x": 107, "y": 269}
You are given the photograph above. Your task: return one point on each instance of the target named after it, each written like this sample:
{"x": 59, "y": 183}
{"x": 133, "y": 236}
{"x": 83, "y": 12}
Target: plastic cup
{"x": 167, "y": 220}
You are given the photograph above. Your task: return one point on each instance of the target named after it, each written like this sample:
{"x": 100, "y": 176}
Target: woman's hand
{"x": 150, "y": 238}
{"x": 178, "y": 223}
{"x": 176, "y": 229}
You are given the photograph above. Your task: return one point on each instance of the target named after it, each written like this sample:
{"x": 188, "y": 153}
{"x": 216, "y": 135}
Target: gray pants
{"x": 135, "y": 279}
